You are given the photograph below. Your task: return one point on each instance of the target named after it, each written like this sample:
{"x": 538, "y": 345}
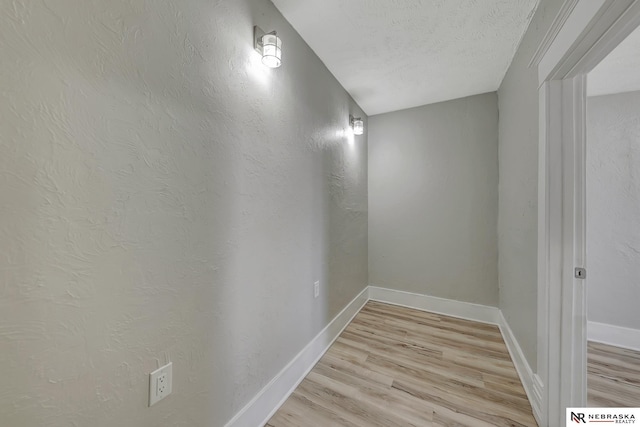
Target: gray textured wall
{"x": 518, "y": 188}
{"x": 613, "y": 209}
{"x": 433, "y": 199}
{"x": 163, "y": 197}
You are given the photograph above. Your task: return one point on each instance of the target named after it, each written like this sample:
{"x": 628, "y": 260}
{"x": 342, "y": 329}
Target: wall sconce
{"x": 269, "y": 46}
{"x": 357, "y": 124}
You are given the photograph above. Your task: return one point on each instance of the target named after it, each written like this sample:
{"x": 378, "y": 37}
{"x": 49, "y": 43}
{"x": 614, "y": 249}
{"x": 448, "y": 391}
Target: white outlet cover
{"x": 160, "y": 383}
{"x": 316, "y": 289}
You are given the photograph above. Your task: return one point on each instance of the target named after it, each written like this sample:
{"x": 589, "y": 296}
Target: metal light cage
{"x": 357, "y": 124}
{"x": 269, "y": 45}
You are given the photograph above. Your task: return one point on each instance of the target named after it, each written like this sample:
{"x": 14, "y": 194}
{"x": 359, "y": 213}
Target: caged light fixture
{"x": 269, "y": 45}
{"x": 357, "y": 125}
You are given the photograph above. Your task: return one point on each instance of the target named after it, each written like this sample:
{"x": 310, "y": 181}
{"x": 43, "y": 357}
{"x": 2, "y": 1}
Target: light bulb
{"x": 271, "y": 50}
{"x": 358, "y": 126}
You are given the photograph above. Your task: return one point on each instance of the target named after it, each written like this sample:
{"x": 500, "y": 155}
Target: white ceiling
{"x": 396, "y": 54}
{"x": 619, "y": 71}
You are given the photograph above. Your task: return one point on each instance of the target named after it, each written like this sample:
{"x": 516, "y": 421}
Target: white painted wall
{"x": 518, "y": 188}
{"x": 613, "y": 209}
{"x": 433, "y": 200}
{"x": 163, "y": 196}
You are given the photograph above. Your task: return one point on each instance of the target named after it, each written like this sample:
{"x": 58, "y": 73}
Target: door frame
{"x": 582, "y": 35}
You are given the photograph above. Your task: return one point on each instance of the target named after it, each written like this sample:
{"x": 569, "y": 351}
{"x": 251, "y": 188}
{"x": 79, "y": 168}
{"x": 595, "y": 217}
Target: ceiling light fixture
{"x": 269, "y": 45}
{"x": 357, "y": 124}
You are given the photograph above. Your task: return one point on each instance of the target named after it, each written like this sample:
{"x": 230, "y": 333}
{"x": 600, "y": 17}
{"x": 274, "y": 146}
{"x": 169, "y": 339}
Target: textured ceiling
{"x": 396, "y": 54}
{"x": 619, "y": 71}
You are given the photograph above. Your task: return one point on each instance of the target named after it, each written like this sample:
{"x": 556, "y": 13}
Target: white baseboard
{"x": 463, "y": 310}
{"x": 536, "y": 403}
{"x": 533, "y": 385}
{"x": 617, "y": 336}
{"x": 272, "y": 396}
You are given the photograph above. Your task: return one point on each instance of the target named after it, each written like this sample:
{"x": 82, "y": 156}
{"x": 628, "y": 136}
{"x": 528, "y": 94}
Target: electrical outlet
{"x": 160, "y": 382}
{"x": 316, "y": 289}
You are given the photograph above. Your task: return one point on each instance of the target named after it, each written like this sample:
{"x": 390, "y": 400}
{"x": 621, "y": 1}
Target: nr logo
{"x": 577, "y": 417}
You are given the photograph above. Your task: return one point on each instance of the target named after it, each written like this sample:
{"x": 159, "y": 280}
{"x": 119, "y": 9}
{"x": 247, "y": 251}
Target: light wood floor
{"x": 613, "y": 376}
{"x": 393, "y": 366}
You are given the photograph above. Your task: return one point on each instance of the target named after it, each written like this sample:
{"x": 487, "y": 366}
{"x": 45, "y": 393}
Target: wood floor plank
{"x": 395, "y": 366}
{"x": 613, "y": 376}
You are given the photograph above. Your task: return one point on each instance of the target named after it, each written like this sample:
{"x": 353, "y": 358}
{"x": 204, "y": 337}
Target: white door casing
{"x": 584, "y": 32}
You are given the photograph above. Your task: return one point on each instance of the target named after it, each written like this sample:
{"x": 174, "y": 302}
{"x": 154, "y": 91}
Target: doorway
{"x": 583, "y": 34}
{"x": 613, "y": 227}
